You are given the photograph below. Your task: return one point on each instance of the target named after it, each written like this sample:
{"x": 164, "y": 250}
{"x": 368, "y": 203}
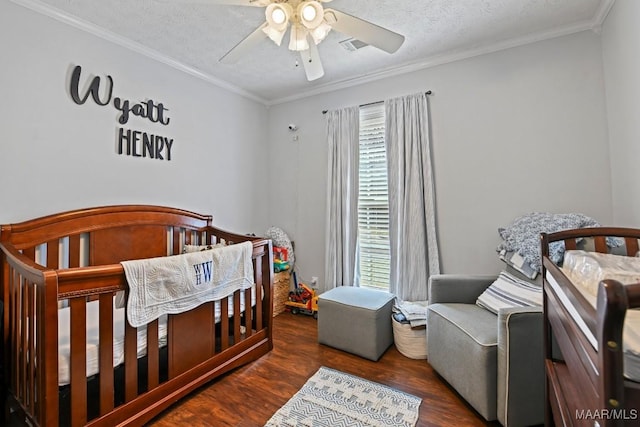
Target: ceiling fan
{"x": 308, "y": 23}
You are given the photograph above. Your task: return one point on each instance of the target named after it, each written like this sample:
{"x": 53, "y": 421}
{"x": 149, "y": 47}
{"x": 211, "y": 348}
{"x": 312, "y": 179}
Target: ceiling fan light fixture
{"x": 310, "y": 13}
{"x": 274, "y": 34}
{"x": 320, "y": 32}
{"x": 298, "y": 38}
{"x": 278, "y": 15}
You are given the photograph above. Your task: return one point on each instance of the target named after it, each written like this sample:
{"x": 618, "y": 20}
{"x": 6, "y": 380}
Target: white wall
{"x": 56, "y": 155}
{"x": 515, "y": 131}
{"x": 621, "y": 57}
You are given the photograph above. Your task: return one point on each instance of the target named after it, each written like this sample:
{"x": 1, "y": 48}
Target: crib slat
{"x": 570, "y": 244}
{"x": 78, "y": 362}
{"x": 224, "y": 324}
{"x": 74, "y": 251}
{"x": 14, "y": 314}
{"x": 31, "y": 365}
{"x": 176, "y": 240}
{"x": 601, "y": 244}
{"x": 7, "y": 332}
{"x": 106, "y": 353}
{"x": 52, "y": 253}
{"x": 23, "y": 344}
{"x": 153, "y": 356}
{"x": 632, "y": 246}
{"x": 17, "y": 321}
{"x": 259, "y": 290}
{"x": 40, "y": 381}
{"x": 130, "y": 362}
{"x": 213, "y": 329}
{"x": 248, "y": 311}
{"x": 237, "y": 317}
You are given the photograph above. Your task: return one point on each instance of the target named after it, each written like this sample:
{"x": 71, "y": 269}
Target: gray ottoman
{"x": 357, "y": 320}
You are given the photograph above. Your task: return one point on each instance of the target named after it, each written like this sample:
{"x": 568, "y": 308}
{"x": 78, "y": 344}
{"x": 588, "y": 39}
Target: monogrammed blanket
{"x": 174, "y": 284}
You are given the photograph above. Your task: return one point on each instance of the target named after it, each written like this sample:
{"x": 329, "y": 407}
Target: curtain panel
{"x": 342, "y": 197}
{"x": 412, "y": 229}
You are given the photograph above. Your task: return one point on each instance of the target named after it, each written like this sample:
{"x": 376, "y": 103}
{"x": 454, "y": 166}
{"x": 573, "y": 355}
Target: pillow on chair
{"x": 514, "y": 260}
{"x": 509, "y": 291}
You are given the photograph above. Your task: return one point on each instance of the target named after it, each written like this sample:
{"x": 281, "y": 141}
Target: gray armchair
{"x": 493, "y": 362}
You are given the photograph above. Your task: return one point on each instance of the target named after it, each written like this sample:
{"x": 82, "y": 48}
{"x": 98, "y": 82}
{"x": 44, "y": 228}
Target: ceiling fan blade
{"x": 311, "y": 61}
{"x": 365, "y": 31}
{"x": 245, "y": 45}
{"x": 254, "y": 3}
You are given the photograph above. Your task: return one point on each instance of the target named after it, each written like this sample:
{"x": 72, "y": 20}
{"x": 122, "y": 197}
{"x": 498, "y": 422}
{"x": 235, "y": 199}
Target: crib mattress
{"x": 631, "y": 331}
{"x": 64, "y": 348}
{"x": 587, "y": 269}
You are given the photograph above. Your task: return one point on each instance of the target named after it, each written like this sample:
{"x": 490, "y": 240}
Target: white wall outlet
{"x": 314, "y": 280}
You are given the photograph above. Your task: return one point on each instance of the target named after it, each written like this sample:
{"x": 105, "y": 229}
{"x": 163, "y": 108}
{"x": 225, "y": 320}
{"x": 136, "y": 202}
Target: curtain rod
{"x": 377, "y": 102}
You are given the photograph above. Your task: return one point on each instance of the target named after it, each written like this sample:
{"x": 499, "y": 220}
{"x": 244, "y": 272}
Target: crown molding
{"x": 595, "y": 24}
{"x": 601, "y": 14}
{"x": 62, "y": 16}
{"x": 590, "y": 25}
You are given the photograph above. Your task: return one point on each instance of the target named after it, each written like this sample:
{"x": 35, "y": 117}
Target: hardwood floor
{"x": 250, "y": 395}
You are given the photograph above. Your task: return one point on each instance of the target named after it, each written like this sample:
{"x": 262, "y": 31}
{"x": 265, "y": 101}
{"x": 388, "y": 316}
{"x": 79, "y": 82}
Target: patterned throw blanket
{"x": 522, "y": 238}
{"x": 174, "y": 284}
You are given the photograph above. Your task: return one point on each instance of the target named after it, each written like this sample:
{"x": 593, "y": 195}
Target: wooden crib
{"x": 584, "y": 357}
{"x": 73, "y": 259}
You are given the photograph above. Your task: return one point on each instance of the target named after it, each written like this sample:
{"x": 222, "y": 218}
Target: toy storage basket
{"x": 411, "y": 342}
{"x": 281, "y": 284}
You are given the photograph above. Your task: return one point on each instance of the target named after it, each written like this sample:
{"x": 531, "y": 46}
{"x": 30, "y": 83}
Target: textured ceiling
{"x": 196, "y": 34}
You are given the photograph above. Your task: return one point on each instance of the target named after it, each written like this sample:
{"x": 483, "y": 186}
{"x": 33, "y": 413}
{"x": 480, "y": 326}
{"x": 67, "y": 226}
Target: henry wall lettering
{"x": 142, "y": 144}
{"x": 129, "y": 142}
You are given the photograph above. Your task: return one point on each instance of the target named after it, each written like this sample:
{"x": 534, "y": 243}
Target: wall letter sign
{"x": 129, "y": 142}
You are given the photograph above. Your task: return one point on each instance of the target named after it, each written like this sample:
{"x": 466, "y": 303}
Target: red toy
{"x": 303, "y": 299}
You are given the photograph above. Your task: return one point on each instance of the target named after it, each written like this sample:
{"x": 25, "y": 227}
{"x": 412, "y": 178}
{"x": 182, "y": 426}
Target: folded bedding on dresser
{"x": 586, "y": 270}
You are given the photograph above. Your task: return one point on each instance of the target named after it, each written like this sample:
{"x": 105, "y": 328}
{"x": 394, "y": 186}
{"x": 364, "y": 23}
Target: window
{"x": 373, "y": 200}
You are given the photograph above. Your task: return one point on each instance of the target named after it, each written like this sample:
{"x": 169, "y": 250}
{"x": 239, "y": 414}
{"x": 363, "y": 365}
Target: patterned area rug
{"x": 332, "y": 398}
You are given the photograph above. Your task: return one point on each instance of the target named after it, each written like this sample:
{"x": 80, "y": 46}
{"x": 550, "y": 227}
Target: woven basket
{"x": 281, "y": 283}
{"x": 411, "y": 342}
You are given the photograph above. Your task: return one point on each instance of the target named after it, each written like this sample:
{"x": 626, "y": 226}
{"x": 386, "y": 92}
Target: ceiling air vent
{"x": 352, "y": 44}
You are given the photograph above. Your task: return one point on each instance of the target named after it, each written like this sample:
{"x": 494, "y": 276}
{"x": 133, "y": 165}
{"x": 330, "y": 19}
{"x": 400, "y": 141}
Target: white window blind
{"x": 373, "y": 200}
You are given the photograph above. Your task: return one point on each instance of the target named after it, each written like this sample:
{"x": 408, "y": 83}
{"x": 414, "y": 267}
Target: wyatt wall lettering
{"x": 130, "y": 142}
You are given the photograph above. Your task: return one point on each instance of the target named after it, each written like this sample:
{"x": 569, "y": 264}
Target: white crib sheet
{"x": 64, "y": 348}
